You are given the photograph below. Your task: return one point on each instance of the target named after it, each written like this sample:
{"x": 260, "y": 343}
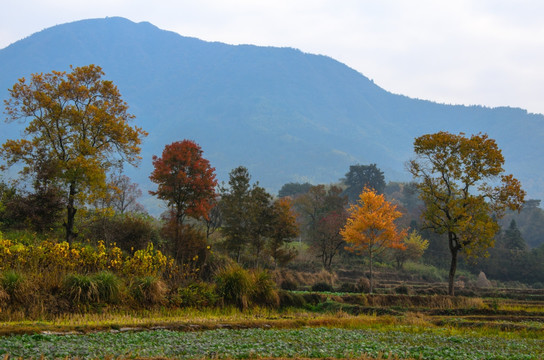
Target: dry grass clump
{"x": 148, "y": 290}
{"x": 304, "y": 279}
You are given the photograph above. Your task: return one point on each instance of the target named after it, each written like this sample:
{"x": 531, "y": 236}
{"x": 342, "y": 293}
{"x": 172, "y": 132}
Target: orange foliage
{"x": 370, "y": 228}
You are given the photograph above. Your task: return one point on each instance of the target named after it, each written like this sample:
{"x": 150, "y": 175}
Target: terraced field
{"x": 330, "y": 326}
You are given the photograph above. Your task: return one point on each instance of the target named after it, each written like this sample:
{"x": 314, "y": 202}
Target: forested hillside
{"x": 285, "y": 115}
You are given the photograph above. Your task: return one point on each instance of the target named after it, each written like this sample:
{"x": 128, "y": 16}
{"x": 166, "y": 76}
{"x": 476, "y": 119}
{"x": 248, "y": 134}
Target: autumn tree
{"x": 329, "y": 241}
{"x": 322, "y": 215}
{"x": 413, "y": 248}
{"x": 124, "y": 194}
{"x": 360, "y": 176}
{"x": 456, "y": 174}
{"x": 186, "y": 181}
{"x": 79, "y": 126}
{"x": 283, "y": 230}
{"x": 371, "y": 228}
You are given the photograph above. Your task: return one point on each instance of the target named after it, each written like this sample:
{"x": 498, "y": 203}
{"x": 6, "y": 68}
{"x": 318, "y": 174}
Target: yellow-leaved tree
{"x": 371, "y": 228}
{"x": 79, "y": 126}
{"x": 464, "y": 191}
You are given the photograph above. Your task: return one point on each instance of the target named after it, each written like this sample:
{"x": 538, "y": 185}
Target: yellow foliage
{"x": 62, "y": 257}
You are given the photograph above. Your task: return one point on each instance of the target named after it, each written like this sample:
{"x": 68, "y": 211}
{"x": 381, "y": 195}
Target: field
{"x": 330, "y": 325}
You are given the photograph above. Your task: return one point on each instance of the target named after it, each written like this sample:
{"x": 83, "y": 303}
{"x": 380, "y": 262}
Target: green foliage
{"x": 196, "y": 295}
{"x": 294, "y": 189}
{"x": 13, "y": 284}
{"x": 361, "y": 176}
{"x": 108, "y": 286}
{"x": 234, "y": 286}
{"x": 264, "y": 290}
{"x": 291, "y": 299}
{"x": 426, "y": 272}
{"x": 81, "y": 288}
{"x": 321, "y": 342}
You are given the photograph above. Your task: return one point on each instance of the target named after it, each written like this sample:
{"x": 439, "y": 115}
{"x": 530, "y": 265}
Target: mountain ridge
{"x": 285, "y": 114}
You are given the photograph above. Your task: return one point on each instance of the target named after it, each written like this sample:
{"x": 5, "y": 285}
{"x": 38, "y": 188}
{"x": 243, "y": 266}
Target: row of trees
{"x": 79, "y": 133}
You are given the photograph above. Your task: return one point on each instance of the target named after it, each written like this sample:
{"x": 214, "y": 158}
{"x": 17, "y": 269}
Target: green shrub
{"x": 234, "y": 286}
{"x": 426, "y": 272}
{"x": 108, "y": 286}
{"x": 148, "y": 290}
{"x": 264, "y": 290}
{"x": 289, "y": 299}
{"x": 197, "y": 295}
{"x": 322, "y": 287}
{"x": 80, "y": 288}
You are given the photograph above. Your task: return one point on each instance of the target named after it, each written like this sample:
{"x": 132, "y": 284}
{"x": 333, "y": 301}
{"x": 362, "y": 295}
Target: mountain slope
{"x": 284, "y": 114}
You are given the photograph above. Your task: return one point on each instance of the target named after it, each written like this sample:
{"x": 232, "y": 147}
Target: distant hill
{"x": 285, "y": 115}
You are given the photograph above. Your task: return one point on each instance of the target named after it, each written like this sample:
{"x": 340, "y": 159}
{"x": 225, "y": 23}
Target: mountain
{"x": 284, "y": 114}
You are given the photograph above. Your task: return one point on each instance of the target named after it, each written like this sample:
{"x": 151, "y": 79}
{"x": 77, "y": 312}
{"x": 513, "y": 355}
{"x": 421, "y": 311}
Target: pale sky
{"x": 485, "y": 52}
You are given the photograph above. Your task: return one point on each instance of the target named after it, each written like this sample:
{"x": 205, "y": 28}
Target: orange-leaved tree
{"x": 79, "y": 127}
{"x": 371, "y": 228}
{"x": 186, "y": 181}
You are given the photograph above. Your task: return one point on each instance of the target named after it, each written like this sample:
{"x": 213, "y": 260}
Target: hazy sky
{"x": 487, "y": 52}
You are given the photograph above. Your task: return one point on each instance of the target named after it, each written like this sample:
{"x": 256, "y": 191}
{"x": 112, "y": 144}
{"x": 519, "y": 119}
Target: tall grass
{"x": 234, "y": 286}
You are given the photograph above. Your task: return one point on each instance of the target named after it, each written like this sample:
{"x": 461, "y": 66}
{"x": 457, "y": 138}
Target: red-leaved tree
{"x": 186, "y": 181}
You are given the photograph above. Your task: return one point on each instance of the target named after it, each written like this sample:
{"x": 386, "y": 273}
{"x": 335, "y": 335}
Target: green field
{"x": 251, "y": 343}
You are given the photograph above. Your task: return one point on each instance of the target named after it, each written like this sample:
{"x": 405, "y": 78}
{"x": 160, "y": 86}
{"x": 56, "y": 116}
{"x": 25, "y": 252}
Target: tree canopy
{"x": 185, "y": 180}
{"x": 79, "y": 126}
{"x": 456, "y": 174}
{"x": 361, "y": 176}
{"x": 371, "y": 228}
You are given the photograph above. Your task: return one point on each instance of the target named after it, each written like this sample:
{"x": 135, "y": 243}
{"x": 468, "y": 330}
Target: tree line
{"x": 79, "y": 138}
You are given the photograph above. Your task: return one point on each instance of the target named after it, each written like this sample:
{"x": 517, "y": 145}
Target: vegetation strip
{"x": 251, "y": 343}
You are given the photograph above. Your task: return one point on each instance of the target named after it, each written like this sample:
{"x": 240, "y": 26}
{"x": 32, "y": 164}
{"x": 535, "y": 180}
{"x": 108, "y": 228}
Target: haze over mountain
{"x": 285, "y": 115}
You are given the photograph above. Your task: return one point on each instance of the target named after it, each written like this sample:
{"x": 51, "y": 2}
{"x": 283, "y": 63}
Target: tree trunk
{"x": 453, "y": 268}
{"x": 70, "y": 215}
{"x": 371, "y": 279}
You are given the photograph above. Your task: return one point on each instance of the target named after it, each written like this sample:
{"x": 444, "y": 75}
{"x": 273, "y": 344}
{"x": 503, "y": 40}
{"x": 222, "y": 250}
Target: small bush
{"x": 234, "y": 286}
{"x": 148, "y": 290}
{"x": 313, "y": 298}
{"x": 289, "y": 299}
{"x": 289, "y": 285}
{"x": 322, "y": 287}
{"x": 363, "y": 284}
{"x": 404, "y": 290}
{"x": 264, "y": 291}
{"x": 348, "y": 288}
{"x": 197, "y": 295}
{"x": 108, "y": 286}
{"x": 12, "y": 282}
{"x": 80, "y": 288}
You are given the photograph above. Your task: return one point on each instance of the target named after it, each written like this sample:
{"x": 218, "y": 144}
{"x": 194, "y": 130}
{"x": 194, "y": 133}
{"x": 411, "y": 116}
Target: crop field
{"x": 251, "y": 343}
{"x": 331, "y": 325}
